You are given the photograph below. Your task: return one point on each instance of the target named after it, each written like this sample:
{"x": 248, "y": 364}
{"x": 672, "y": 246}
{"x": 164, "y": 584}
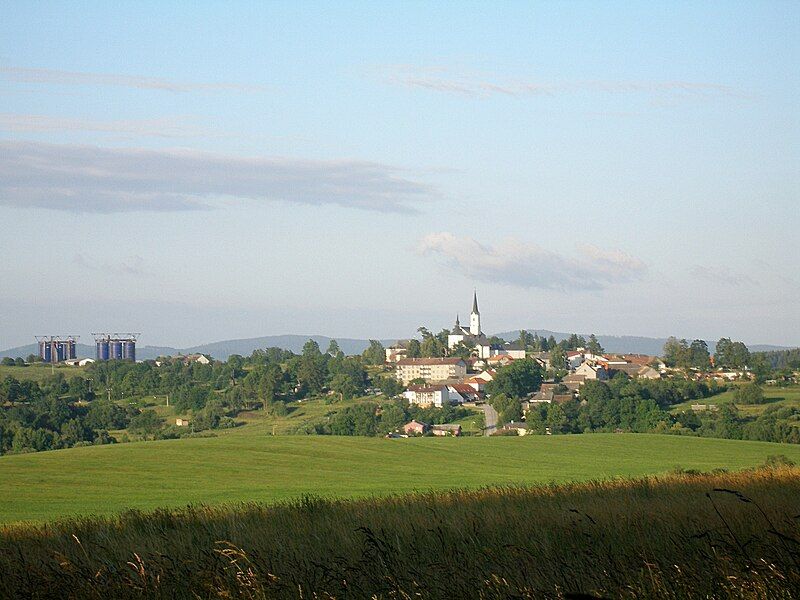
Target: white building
{"x": 472, "y": 336}
{"x": 428, "y": 395}
{"x": 430, "y": 369}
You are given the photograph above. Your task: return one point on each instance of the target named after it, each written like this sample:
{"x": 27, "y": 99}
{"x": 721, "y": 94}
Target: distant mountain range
{"x": 221, "y": 350}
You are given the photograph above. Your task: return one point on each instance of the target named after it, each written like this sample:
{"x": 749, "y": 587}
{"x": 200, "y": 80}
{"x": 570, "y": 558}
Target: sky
{"x": 205, "y": 171}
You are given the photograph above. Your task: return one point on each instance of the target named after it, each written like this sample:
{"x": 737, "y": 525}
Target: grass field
{"x": 731, "y": 535}
{"x": 774, "y": 396}
{"x": 249, "y": 465}
{"x": 39, "y": 372}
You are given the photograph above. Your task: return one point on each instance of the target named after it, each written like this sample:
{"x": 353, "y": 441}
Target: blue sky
{"x": 200, "y": 172}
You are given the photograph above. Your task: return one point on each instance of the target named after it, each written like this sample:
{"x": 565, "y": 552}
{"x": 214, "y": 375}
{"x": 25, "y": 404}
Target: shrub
{"x": 749, "y": 393}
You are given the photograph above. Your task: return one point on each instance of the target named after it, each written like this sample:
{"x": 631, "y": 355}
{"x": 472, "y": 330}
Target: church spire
{"x": 458, "y": 325}
{"x": 475, "y": 317}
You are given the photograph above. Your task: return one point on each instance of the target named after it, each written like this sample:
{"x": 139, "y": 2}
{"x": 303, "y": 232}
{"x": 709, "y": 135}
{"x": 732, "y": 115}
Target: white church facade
{"x": 471, "y": 336}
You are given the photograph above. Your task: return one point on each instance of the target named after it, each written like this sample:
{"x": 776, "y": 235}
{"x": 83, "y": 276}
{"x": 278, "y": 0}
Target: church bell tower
{"x": 475, "y": 316}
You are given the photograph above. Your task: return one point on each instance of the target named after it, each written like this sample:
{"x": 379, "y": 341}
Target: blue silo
{"x": 115, "y": 350}
{"x": 45, "y": 351}
{"x": 102, "y": 350}
{"x": 129, "y": 350}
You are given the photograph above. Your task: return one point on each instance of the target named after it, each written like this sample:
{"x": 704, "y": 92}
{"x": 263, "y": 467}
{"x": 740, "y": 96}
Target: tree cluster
{"x": 370, "y": 419}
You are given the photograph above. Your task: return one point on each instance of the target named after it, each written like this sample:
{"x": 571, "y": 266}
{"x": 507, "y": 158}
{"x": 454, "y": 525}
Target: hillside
{"x": 249, "y": 465}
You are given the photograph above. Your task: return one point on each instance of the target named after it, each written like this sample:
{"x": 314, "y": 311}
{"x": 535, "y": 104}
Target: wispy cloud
{"x": 95, "y": 179}
{"x": 132, "y": 265}
{"x": 721, "y": 275}
{"x": 443, "y": 80}
{"x": 57, "y": 77}
{"x": 531, "y": 266}
{"x": 164, "y": 128}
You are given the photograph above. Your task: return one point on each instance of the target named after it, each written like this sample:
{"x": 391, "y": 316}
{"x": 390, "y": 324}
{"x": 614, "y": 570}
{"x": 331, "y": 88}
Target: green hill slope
{"x": 249, "y": 466}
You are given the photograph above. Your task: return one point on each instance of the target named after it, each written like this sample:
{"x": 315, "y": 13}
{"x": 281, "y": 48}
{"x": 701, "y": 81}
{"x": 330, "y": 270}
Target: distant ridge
{"x": 223, "y": 349}
{"x": 630, "y": 344}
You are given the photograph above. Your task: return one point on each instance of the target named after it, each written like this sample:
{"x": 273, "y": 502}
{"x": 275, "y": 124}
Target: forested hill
{"x": 629, "y": 344}
{"x": 221, "y": 350}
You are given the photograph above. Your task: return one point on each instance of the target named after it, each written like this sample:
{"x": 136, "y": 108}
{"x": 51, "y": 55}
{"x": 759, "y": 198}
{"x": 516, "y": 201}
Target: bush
{"x": 749, "y": 393}
{"x": 776, "y": 461}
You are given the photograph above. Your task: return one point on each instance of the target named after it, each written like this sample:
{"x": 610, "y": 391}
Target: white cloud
{"x": 164, "y": 128}
{"x": 132, "y": 265}
{"x": 531, "y": 266}
{"x": 57, "y": 77}
{"x": 95, "y": 179}
{"x": 480, "y": 85}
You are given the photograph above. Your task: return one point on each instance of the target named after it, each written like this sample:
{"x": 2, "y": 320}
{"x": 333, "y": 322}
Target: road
{"x": 490, "y": 414}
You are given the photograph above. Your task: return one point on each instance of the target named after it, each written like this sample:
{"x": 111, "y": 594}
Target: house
{"x": 446, "y": 429}
{"x": 397, "y": 351}
{"x": 193, "y": 358}
{"x": 573, "y": 382}
{"x": 500, "y": 360}
{"x": 648, "y": 372}
{"x": 463, "y": 392}
{"x": 430, "y": 369}
{"x": 514, "y": 350}
{"x": 634, "y": 370}
{"x": 428, "y": 395}
{"x": 543, "y": 358}
{"x": 78, "y": 362}
{"x": 487, "y": 375}
{"x": 592, "y": 372}
{"x": 542, "y": 396}
{"x": 520, "y": 428}
{"x": 476, "y": 383}
{"x": 574, "y": 359}
{"x": 415, "y": 428}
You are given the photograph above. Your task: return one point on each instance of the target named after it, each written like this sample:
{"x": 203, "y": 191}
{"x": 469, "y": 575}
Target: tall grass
{"x": 720, "y": 536}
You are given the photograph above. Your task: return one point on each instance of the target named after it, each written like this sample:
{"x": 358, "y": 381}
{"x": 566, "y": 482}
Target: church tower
{"x": 475, "y": 317}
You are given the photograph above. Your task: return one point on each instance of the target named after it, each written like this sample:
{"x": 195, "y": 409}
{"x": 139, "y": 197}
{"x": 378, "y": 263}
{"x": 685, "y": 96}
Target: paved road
{"x": 491, "y": 419}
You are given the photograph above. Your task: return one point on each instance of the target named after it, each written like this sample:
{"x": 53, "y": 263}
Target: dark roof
{"x": 475, "y": 302}
{"x": 426, "y": 388}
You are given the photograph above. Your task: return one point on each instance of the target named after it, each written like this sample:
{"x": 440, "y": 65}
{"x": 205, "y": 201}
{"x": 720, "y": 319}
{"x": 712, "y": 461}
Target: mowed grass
{"x": 247, "y": 465}
{"x": 773, "y": 395}
{"x": 39, "y": 372}
{"x": 728, "y": 535}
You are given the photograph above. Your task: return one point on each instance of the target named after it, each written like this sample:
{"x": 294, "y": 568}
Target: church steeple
{"x": 458, "y": 324}
{"x": 475, "y": 316}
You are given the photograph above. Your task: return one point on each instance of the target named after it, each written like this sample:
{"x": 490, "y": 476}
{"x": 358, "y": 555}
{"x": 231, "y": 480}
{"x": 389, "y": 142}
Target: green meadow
{"x": 773, "y": 396}
{"x": 39, "y": 372}
{"x": 248, "y": 464}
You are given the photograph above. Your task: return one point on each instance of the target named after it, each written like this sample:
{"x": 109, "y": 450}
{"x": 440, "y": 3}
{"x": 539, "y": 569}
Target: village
{"x": 457, "y": 380}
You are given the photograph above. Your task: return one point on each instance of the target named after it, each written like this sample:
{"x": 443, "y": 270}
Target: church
{"x": 472, "y": 336}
